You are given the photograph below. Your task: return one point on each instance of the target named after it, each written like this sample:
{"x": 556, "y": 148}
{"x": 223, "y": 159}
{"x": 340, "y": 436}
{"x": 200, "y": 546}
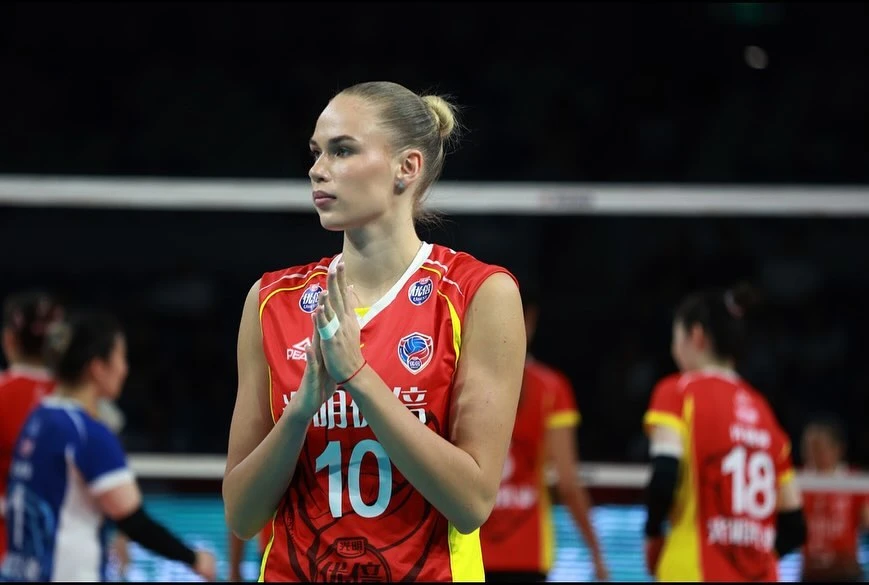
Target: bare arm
{"x": 121, "y": 501}
{"x": 262, "y": 456}
{"x": 565, "y": 457}
{"x": 460, "y": 476}
{"x": 123, "y": 504}
{"x": 236, "y": 553}
{"x": 665, "y": 440}
{"x": 864, "y": 516}
{"x": 789, "y": 497}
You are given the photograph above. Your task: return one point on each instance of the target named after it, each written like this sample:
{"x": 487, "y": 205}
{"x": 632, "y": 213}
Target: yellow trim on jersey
{"x": 430, "y": 269}
{"x": 457, "y": 326}
{"x": 262, "y": 567}
{"x": 680, "y": 559}
{"x": 262, "y": 307}
{"x": 362, "y": 311}
{"x": 786, "y": 477}
{"x": 560, "y": 420}
{"x": 466, "y": 556}
{"x": 664, "y": 419}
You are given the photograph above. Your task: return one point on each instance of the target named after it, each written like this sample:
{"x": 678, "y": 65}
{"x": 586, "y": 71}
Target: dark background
{"x": 552, "y": 92}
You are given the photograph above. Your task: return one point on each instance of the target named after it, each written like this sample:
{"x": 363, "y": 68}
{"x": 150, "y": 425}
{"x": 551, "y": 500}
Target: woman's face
{"x": 353, "y": 175}
{"x": 110, "y": 374}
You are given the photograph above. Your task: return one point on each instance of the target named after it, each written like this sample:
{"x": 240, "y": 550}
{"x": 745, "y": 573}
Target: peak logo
{"x": 297, "y": 352}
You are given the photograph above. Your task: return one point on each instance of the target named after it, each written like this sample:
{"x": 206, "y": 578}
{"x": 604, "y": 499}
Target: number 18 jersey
{"x": 736, "y": 457}
{"x": 348, "y": 514}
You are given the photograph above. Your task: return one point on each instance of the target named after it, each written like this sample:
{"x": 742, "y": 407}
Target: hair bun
{"x": 444, "y": 114}
{"x": 57, "y": 339}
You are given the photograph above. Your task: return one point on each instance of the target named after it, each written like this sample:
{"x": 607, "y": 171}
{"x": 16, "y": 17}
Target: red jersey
{"x": 519, "y": 535}
{"x": 833, "y": 523}
{"x": 736, "y": 458}
{"x": 348, "y": 513}
{"x": 21, "y": 389}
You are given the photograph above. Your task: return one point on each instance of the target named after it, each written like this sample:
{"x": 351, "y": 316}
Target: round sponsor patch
{"x": 310, "y": 298}
{"x": 419, "y": 291}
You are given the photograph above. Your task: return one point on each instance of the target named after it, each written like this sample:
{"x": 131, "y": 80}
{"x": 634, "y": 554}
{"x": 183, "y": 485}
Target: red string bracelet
{"x": 353, "y": 375}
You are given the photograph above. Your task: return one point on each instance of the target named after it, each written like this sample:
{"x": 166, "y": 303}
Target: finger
{"x": 316, "y": 354}
{"x": 312, "y": 350}
{"x": 320, "y": 320}
{"x": 347, "y": 295}
{"x": 324, "y": 306}
{"x": 336, "y": 289}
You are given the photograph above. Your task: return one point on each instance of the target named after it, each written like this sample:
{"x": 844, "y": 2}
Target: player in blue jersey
{"x": 69, "y": 473}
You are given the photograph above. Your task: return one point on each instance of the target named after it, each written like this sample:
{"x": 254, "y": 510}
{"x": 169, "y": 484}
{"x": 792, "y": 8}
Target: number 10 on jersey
{"x": 330, "y": 460}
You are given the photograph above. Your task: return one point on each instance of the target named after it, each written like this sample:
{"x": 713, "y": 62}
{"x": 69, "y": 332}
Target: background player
{"x": 721, "y": 464}
{"x": 68, "y": 469}
{"x": 834, "y": 520}
{"x": 26, "y": 317}
{"x": 236, "y": 551}
{"x": 382, "y": 450}
{"x": 518, "y": 538}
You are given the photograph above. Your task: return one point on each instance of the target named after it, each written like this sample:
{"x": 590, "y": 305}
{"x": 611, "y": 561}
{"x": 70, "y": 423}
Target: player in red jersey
{"x": 834, "y": 520}
{"x": 721, "y": 464}
{"x": 26, "y": 317}
{"x": 377, "y": 388}
{"x": 518, "y": 538}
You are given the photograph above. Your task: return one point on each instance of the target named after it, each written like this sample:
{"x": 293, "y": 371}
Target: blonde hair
{"x": 428, "y": 123}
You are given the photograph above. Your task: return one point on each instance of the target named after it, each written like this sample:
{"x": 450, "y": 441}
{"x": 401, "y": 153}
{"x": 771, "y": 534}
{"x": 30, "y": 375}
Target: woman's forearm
{"x": 253, "y": 488}
{"x": 447, "y": 476}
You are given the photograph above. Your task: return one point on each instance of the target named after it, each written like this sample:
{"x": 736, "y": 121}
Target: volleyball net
{"x": 183, "y": 491}
{"x": 460, "y": 198}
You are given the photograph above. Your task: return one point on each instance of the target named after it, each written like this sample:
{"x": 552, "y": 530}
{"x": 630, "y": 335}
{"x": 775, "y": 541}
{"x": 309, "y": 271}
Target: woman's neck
{"x": 375, "y": 258}
{"x": 84, "y": 394}
{"x": 27, "y": 363}
{"x": 717, "y": 364}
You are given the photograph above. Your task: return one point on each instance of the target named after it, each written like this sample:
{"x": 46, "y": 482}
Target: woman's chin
{"x": 332, "y": 224}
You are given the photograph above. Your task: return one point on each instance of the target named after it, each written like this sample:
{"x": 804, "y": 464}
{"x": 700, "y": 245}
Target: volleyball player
{"x": 26, "y": 317}
{"x": 721, "y": 464}
{"x": 69, "y": 472}
{"x": 834, "y": 519}
{"x": 377, "y": 388}
{"x": 518, "y": 538}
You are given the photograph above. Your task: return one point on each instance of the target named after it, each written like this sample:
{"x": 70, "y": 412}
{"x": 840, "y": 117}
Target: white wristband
{"x": 331, "y": 328}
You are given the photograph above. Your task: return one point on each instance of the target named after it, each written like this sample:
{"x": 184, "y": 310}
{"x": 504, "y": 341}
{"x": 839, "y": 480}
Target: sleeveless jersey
{"x": 21, "y": 388}
{"x": 736, "y": 458}
{"x": 833, "y": 523}
{"x": 519, "y": 535}
{"x": 348, "y": 513}
{"x": 64, "y": 459}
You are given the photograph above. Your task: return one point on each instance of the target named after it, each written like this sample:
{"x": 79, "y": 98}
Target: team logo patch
{"x": 310, "y": 298}
{"x": 415, "y": 352}
{"x": 420, "y": 291}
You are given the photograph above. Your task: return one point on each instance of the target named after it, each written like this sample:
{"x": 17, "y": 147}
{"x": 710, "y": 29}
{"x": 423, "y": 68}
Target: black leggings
{"x": 515, "y": 577}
